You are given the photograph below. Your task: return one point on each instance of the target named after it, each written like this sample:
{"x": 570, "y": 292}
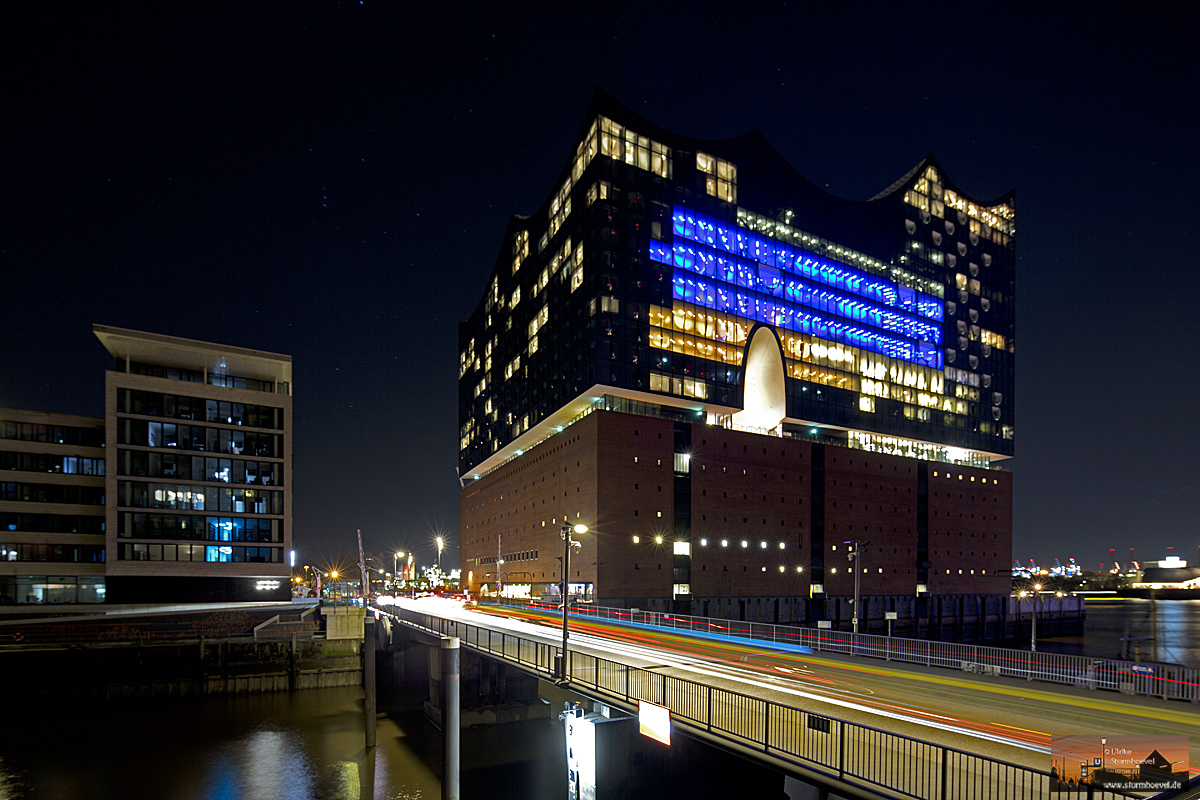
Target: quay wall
{"x": 172, "y": 669}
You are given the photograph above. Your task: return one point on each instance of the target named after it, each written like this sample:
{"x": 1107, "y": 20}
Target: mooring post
{"x": 293, "y": 670}
{"x": 368, "y": 650}
{"x": 450, "y": 717}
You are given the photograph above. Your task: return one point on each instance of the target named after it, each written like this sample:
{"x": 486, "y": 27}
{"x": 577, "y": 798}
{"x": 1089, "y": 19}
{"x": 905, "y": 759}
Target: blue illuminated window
{"x": 819, "y": 297}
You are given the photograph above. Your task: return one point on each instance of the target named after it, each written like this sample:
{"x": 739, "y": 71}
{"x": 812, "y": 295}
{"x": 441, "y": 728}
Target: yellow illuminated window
{"x": 722, "y": 176}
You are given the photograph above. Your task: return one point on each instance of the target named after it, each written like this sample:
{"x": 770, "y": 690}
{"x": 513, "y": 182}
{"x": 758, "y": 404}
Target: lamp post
{"x": 395, "y": 569}
{"x": 1037, "y": 589}
{"x": 568, "y": 544}
{"x": 441, "y": 543}
{"x": 855, "y": 557}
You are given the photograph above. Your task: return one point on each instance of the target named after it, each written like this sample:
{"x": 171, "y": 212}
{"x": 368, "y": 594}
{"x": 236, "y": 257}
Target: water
{"x": 307, "y": 746}
{"x": 1106, "y": 625}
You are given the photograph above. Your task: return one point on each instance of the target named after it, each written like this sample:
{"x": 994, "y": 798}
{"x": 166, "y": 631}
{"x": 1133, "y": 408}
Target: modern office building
{"x": 730, "y": 376}
{"x": 198, "y": 475}
{"x": 182, "y": 493}
{"x": 52, "y": 549}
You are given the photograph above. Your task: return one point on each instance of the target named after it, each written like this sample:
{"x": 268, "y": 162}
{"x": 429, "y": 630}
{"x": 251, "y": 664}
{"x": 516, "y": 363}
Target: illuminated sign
{"x": 654, "y": 721}
{"x": 261, "y": 585}
{"x": 581, "y": 756}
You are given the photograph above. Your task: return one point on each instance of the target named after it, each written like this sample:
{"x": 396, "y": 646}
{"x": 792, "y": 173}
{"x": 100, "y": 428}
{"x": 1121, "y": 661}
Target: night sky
{"x": 332, "y": 181}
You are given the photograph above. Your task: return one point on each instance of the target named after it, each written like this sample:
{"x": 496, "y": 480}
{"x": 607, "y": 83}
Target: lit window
{"x": 764, "y": 545}
{"x": 682, "y": 549}
{"x": 637, "y": 539}
{"x": 704, "y": 542}
{"x": 745, "y": 543}
{"x": 722, "y": 177}
{"x": 724, "y": 543}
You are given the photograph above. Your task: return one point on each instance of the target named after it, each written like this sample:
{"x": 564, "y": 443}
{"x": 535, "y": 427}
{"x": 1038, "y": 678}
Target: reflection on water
{"x": 307, "y": 745}
{"x": 1112, "y": 620}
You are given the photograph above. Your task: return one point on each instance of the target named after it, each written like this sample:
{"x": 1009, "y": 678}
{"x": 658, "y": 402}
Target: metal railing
{"x": 877, "y": 761}
{"x": 1167, "y": 681}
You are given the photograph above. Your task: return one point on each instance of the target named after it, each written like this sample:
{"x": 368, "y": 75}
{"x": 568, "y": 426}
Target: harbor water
{"x": 305, "y": 745}
{"x": 1162, "y": 630}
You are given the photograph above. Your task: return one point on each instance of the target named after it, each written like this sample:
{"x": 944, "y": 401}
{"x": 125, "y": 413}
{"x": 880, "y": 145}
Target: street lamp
{"x": 568, "y": 545}
{"x": 441, "y": 543}
{"x": 1037, "y": 589}
{"x": 395, "y": 570}
{"x": 855, "y": 557}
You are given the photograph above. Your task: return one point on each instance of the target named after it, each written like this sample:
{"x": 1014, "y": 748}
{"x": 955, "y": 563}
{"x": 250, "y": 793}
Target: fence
{"x": 884, "y": 763}
{"x": 1168, "y": 681}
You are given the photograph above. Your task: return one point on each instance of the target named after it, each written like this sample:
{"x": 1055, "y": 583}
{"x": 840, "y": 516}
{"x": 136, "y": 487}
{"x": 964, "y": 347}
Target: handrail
{"x": 873, "y": 760}
{"x": 258, "y": 628}
{"x": 1166, "y": 681}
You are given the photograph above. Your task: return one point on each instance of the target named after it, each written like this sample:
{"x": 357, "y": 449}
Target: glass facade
{"x": 52, "y": 504}
{"x": 180, "y": 453}
{"x": 162, "y": 404}
{"x": 51, "y": 589}
{"x": 55, "y": 434}
{"x": 656, "y": 260}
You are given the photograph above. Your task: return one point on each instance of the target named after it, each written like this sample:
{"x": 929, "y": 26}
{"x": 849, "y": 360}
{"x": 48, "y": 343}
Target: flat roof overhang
{"x": 174, "y": 351}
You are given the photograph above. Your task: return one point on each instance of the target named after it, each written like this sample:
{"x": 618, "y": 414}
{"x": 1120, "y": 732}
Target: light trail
{"x": 653, "y": 653}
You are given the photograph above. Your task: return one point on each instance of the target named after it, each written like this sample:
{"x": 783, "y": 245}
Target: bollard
{"x": 450, "y": 718}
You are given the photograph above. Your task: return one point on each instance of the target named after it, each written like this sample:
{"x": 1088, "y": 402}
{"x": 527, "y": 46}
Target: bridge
{"x": 852, "y": 716}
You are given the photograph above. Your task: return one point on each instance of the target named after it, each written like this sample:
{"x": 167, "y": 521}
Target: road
{"x": 1003, "y": 718}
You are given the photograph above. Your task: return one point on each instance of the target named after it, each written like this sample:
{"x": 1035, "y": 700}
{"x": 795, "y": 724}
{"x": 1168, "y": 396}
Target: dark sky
{"x": 333, "y": 180}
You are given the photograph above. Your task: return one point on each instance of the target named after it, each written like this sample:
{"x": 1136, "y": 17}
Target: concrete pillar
{"x": 451, "y": 746}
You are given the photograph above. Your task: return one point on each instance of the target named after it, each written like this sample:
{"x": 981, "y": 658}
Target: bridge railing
{"x": 884, "y": 763}
{"x": 1170, "y": 682}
